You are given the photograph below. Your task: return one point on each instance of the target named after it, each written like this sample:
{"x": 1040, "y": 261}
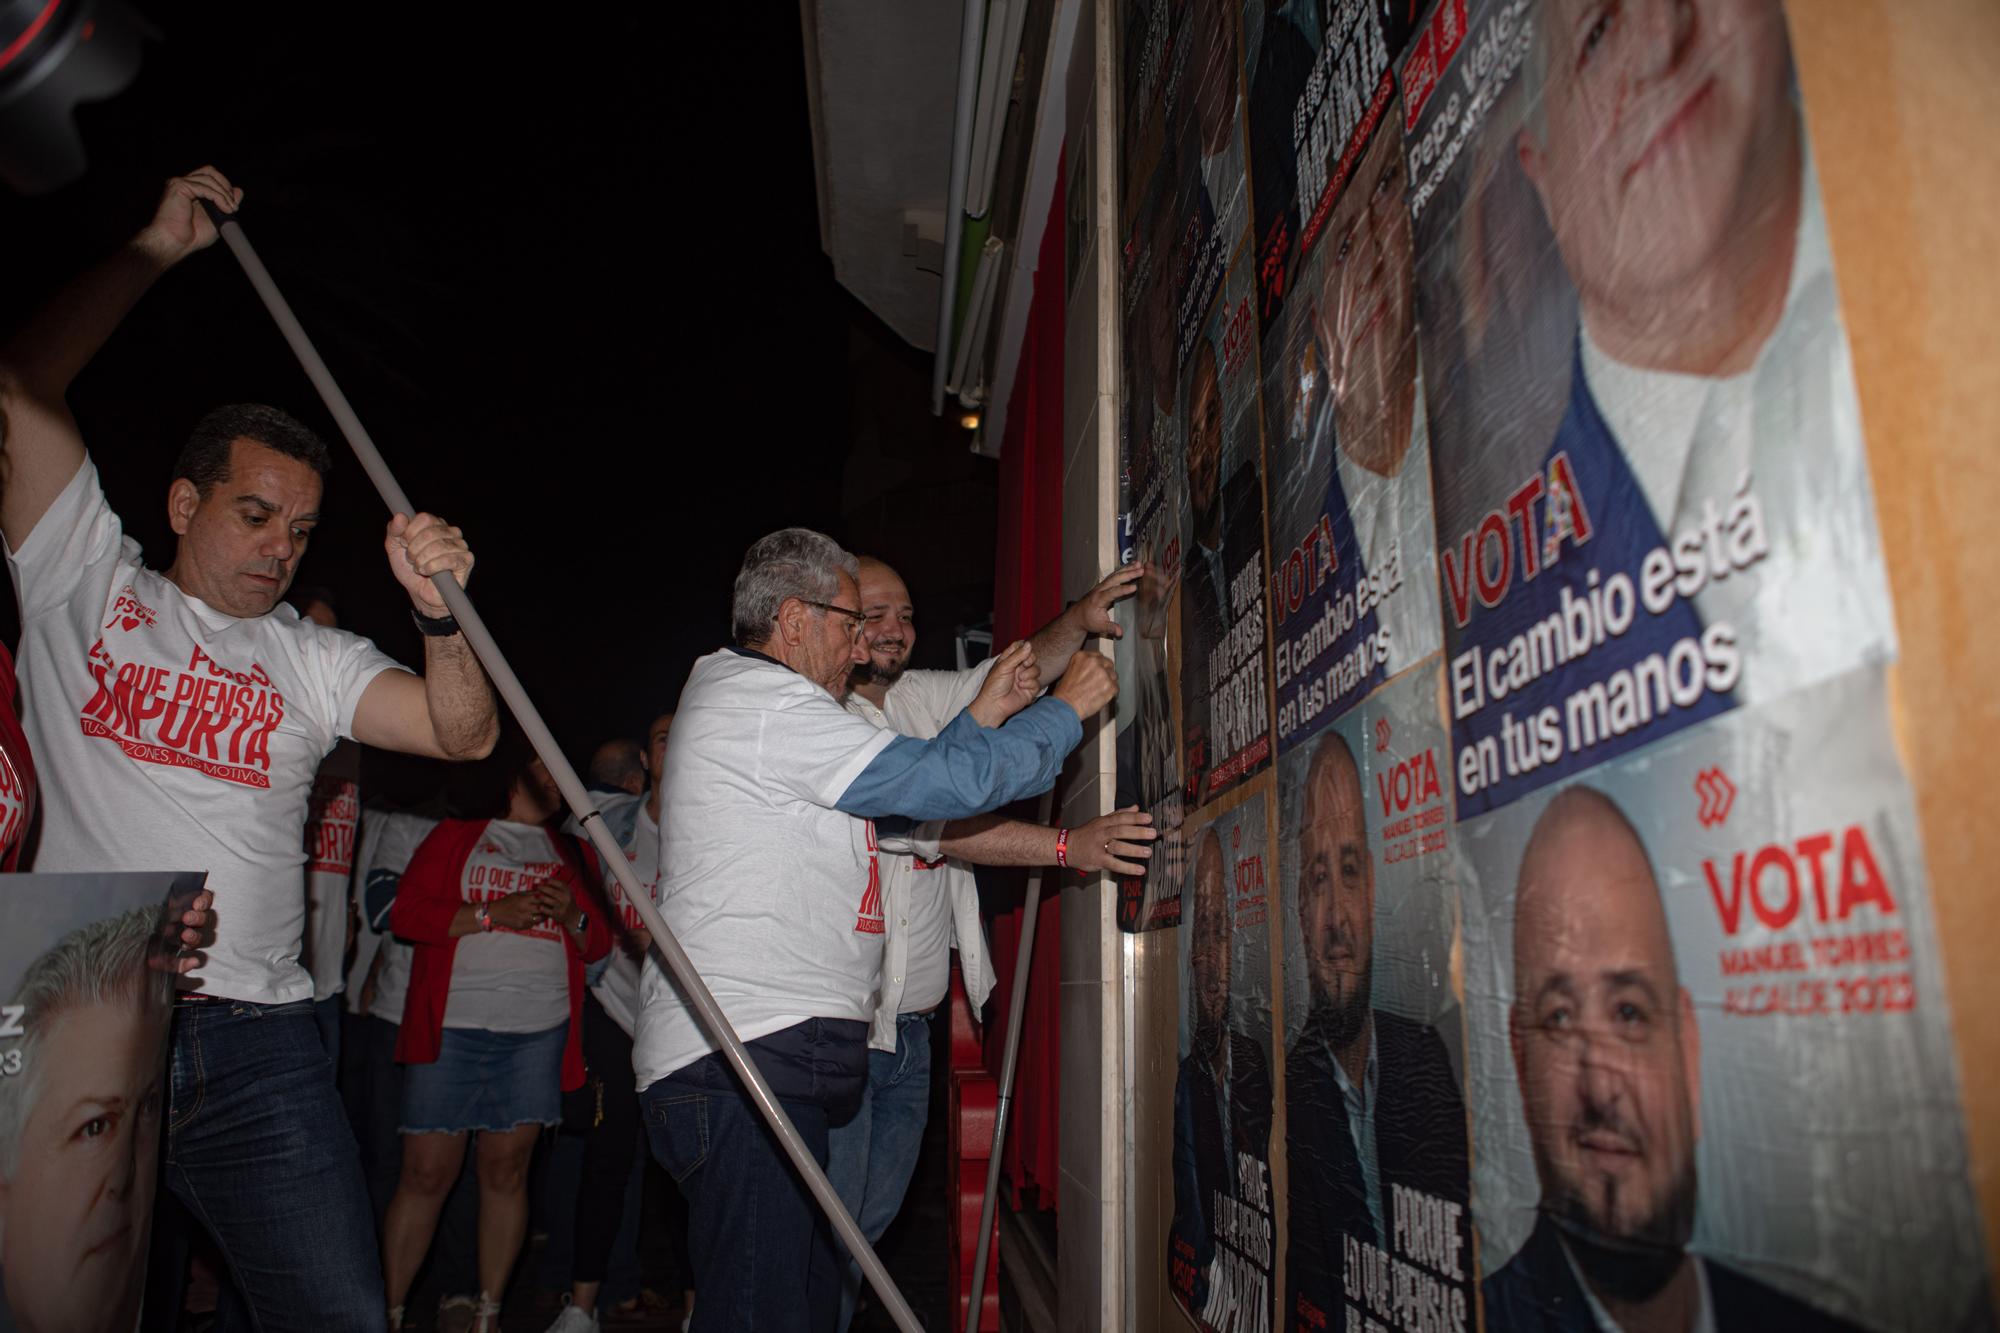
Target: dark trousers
{"x": 259, "y": 1154}
{"x": 752, "y": 1224}
{"x": 611, "y": 1146}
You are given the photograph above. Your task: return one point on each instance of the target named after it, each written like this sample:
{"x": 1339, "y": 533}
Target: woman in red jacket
{"x": 504, "y": 913}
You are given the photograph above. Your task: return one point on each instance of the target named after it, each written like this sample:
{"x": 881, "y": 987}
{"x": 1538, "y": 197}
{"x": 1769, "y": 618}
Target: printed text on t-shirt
{"x": 207, "y": 717}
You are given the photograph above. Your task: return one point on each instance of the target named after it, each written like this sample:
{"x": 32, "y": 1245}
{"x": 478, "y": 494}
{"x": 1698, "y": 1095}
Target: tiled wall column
{"x": 1091, "y": 1260}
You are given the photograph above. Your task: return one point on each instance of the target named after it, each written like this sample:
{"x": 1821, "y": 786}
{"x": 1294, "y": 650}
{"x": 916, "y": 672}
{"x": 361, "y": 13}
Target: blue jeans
{"x": 259, "y": 1151}
{"x": 752, "y": 1225}
{"x": 871, "y": 1158}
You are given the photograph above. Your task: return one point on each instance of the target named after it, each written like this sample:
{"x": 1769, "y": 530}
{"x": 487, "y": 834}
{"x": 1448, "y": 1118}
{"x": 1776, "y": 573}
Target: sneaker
{"x": 573, "y": 1320}
{"x": 456, "y": 1313}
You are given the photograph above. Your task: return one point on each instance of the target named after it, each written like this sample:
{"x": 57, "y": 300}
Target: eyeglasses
{"x": 855, "y": 619}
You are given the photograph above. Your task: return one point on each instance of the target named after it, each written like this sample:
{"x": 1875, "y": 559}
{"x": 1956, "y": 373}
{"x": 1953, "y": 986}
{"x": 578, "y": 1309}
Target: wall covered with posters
{"x": 1542, "y": 931}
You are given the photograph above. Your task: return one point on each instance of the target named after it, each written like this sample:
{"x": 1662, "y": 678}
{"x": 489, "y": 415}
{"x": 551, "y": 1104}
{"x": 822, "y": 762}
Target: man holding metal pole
{"x": 772, "y": 884}
{"x": 180, "y": 716}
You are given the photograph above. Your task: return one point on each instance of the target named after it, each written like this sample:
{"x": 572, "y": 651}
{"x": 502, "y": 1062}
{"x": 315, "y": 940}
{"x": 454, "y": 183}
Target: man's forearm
{"x": 967, "y": 770}
{"x": 464, "y": 718}
{"x": 995, "y": 840}
{"x": 1055, "y": 643}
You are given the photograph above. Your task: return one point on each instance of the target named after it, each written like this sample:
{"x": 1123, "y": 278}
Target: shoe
{"x": 456, "y": 1313}
{"x": 486, "y": 1318}
{"x": 573, "y": 1320}
{"x": 647, "y": 1308}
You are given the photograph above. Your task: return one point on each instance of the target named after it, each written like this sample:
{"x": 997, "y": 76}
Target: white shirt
{"x": 927, "y": 909}
{"x": 774, "y": 894}
{"x": 618, "y": 989}
{"x": 388, "y": 840}
{"x": 506, "y": 980}
{"x": 333, "y": 814}
{"x": 1361, "y": 1128}
{"x": 1817, "y": 604}
{"x": 174, "y": 736}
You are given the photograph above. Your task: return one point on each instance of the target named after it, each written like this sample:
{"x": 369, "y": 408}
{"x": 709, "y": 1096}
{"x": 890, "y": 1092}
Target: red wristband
{"x": 1062, "y": 848}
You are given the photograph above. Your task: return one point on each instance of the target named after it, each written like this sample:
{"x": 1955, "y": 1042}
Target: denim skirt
{"x": 486, "y": 1080}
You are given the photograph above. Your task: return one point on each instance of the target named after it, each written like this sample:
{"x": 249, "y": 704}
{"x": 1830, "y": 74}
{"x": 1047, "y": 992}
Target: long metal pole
{"x": 1017, "y": 1001}
{"x": 609, "y": 853}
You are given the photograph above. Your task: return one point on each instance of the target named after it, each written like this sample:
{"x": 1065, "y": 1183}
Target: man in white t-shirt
{"x": 931, "y": 905}
{"x": 179, "y": 717}
{"x": 772, "y": 885}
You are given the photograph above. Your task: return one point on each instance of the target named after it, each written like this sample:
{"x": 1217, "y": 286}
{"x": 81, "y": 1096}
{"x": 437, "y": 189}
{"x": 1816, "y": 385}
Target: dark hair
{"x": 485, "y": 789}
{"x": 304, "y": 597}
{"x": 204, "y": 459}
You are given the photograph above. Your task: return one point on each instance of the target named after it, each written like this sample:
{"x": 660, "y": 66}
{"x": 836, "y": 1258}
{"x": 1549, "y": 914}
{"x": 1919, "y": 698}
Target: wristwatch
{"x": 484, "y": 916}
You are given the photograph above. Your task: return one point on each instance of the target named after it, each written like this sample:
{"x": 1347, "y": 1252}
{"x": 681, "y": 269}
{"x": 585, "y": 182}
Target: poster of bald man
{"x": 1223, "y": 634}
{"x": 1221, "y": 1243}
{"x": 1378, "y": 1227}
{"x": 86, "y": 991}
{"x": 1713, "y": 1072}
{"x": 1353, "y": 551}
{"x": 1653, "y": 503}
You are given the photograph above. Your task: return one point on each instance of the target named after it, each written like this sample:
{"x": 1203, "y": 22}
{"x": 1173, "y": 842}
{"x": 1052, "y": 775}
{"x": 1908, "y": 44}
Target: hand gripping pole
{"x": 613, "y": 857}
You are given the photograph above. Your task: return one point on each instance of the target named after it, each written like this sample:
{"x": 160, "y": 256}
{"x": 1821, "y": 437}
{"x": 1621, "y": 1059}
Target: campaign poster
{"x": 1221, "y": 1244}
{"x": 87, "y": 966}
{"x": 1379, "y": 1232}
{"x": 1152, "y": 483}
{"x": 1220, "y": 601}
{"x": 1666, "y": 514}
{"x": 1321, "y": 76}
{"x": 1353, "y": 582}
{"x": 1714, "y": 1068}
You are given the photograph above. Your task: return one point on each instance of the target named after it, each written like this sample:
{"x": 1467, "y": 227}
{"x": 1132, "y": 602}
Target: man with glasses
{"x": 771, "y": 882}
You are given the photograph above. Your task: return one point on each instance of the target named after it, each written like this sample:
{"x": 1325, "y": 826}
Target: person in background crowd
{"x": 372, "y": 1081}
{"x": 504, "y": 914}
{"x": 604, "y": 1264}
{"x": 1608, "y": 1053}
{"x": 618, "y": 765}
{"x": 932, "y": 905}
{"x": 332, "y": 816}
{"x": 772, "y": 885}
{"x": 80, "y": 1128}
{"x": 181, "y": 716}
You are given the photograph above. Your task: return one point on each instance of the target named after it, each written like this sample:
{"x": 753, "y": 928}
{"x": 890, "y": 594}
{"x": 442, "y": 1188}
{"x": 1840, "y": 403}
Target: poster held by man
{"x": 87, "y": 968}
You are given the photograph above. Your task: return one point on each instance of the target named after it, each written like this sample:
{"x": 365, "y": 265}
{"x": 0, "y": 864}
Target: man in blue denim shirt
{"x": 772, "y": 883}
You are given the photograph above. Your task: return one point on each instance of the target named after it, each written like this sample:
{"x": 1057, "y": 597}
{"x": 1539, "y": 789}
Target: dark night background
{"x": 566, "y": 264}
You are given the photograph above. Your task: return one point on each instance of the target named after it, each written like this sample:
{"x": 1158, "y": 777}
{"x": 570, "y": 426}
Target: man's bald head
{"x": 619, "y": 763}
{"x": 1336, "y": 892}
{"x": 1604, "y": 1036}
{"x": 891, "y": 631}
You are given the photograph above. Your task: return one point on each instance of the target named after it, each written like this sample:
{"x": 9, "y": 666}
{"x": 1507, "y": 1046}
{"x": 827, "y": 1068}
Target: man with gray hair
{"x": 80, "y": 1098}
{"x": 771, "y": 882}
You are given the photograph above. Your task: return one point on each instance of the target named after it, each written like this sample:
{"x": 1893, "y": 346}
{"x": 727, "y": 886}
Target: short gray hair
{"x": 791, "y": 562}
{"x": 120, "y": 957}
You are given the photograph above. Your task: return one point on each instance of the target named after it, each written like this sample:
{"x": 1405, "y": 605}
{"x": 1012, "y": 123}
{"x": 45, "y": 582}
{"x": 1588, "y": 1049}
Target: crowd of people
{"x": 384, "y": 1014}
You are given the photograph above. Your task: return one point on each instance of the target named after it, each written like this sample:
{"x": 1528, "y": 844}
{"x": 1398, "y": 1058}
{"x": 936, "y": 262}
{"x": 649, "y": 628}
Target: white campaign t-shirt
{"x": 775, "y": 895}
{"x": 332, "y": 814}
{"x": 509, "y": 980}
{"x": 618, "y": 989}
{"x": 389, "y": 838}
{"x": 175, "y": 736}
